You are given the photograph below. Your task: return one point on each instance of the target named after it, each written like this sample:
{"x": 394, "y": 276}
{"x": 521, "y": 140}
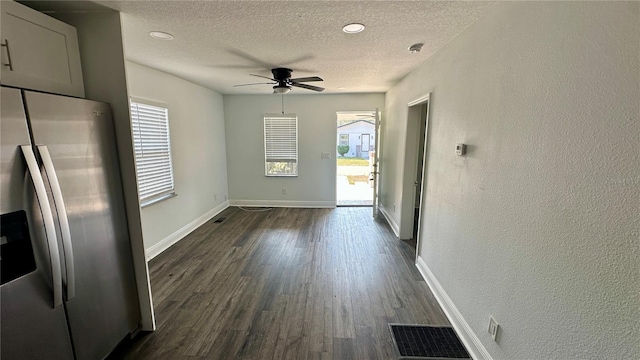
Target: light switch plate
{"x": 493, "y": 328}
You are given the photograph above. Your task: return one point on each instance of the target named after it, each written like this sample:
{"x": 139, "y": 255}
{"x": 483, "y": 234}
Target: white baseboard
{"x": 283, "y": 203}
{"x": 166, "y": 243}
{"x": 394, "y": 226}
{"x": 467, "y": 336}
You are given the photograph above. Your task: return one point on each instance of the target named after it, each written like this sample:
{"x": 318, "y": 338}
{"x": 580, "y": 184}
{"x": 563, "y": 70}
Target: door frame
{"x": 375, "y": 171}
{"x": 412, "y": 138}
{"x": 376, "y": 115}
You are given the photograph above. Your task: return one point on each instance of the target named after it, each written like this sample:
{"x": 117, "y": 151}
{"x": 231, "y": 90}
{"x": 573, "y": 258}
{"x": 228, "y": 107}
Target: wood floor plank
{"x": 284, "y": 284}
{"x": 344, "y": 349}
{"x": 272, "y": 332}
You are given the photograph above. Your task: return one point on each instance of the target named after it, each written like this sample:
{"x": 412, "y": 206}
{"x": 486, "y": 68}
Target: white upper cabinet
{"x": 39, "y": 52}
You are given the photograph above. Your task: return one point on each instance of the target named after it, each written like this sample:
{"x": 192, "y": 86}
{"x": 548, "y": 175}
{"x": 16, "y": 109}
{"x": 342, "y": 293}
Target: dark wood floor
{"x": 284, "y": 284}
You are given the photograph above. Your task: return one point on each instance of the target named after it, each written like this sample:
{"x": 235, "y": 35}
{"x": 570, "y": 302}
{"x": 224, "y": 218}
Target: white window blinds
{"x": 281, "y": 145}
{"x": 153, "y": 152}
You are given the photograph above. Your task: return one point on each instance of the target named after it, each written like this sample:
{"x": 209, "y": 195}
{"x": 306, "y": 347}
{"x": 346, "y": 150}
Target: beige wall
{"x": 317, "y": 123}
{"x": 538, "y": 225}
{"x": 196, "y": 126}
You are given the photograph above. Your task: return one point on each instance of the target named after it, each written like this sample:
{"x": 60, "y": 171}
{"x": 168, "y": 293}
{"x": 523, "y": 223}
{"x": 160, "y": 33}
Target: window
{"x": 344, "y": 139}
{"x": 281, "y": 145}
{"x": 151, "y": 143}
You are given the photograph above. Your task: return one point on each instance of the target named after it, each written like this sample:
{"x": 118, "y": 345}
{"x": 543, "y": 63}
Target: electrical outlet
{"x": 284, "y": 191}
{"x": 493, "y": 328}
{"x": 326, "y": 155}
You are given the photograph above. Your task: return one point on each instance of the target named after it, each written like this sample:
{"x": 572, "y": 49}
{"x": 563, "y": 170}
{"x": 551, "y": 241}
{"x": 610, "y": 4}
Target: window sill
{"x": 157, "y": 200}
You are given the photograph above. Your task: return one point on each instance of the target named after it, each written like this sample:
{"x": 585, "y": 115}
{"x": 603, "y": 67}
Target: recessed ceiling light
{"x": 342, "y": 88}
{"x": 160, "y": 35}
{"x": 353, "y": 28}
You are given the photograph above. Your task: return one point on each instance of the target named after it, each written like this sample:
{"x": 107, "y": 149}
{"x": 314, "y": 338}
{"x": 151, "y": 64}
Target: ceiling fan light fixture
{"x": 353, "y": 28}
{"x": 281, "y": 89}
{"x": 415, "y": 48}
{"x": 161, "y": 35}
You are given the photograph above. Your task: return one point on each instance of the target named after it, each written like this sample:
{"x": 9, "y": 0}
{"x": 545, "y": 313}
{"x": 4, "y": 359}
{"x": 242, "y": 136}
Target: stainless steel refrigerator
{"x": 68, "y": 288}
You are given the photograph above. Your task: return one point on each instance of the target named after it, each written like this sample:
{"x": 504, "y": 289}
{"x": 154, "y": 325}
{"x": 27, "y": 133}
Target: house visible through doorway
{"x": 355, "y": 154}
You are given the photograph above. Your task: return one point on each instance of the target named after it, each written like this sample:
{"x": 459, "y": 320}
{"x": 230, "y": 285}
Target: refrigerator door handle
{"x": 67, "y": 247}
{"x": 49, "y": 227}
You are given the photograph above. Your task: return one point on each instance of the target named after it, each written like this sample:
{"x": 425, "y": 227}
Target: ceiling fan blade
{"x": 264, "y": 77}
{"x": 307, "y": 79}
{"x": 298, "y": 60}
{"x": 310, "y": 87}
{"x": 251, "y": 58}
{"x": 273, "y": 83}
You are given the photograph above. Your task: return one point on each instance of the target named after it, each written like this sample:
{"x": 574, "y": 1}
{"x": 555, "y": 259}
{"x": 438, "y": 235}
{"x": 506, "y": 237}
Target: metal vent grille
{"x": 427, "y": 342}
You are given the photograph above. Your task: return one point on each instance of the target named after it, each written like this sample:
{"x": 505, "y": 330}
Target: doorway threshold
{"x": 354, "y": 203}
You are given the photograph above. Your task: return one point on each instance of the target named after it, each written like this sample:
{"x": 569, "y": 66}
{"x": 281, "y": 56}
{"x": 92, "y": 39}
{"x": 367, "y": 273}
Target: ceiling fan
{"x": 283, "y": 81}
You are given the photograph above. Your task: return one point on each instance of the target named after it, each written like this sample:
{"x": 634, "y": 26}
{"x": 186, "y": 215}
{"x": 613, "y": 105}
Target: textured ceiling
{"x": 218, "y": 43}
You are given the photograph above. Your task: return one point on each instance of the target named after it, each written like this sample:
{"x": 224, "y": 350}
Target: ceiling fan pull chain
{"x": 282, "y": 103}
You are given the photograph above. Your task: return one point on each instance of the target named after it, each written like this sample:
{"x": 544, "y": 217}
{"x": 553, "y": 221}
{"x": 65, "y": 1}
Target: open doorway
{"x": 421, "y": 151}
{"x": 413, "y": 181}
{"x": 355, "y": 156}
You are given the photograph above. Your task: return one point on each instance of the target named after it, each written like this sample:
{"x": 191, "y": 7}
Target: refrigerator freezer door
{"x": 31, "y": 327}
{"x": 13, "y": 132}
{"x": 80, "y": 139}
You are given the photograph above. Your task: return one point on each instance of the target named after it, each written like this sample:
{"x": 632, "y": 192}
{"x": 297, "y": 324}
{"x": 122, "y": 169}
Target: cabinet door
{"x": 39, "y": 52}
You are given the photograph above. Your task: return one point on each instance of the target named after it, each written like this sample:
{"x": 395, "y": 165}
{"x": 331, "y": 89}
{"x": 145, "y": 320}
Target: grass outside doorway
{"x": 352, "y": 161}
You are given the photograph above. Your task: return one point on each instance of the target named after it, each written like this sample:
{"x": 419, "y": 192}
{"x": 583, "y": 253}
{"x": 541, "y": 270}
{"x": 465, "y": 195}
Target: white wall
{"x": 539, "y": 224}
{"x": 196, "y": 126}
{"x": 316, "y": 184}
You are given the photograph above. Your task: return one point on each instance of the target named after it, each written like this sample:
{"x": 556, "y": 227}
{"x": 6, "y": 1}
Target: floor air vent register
{"x": 427, "y": 342}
